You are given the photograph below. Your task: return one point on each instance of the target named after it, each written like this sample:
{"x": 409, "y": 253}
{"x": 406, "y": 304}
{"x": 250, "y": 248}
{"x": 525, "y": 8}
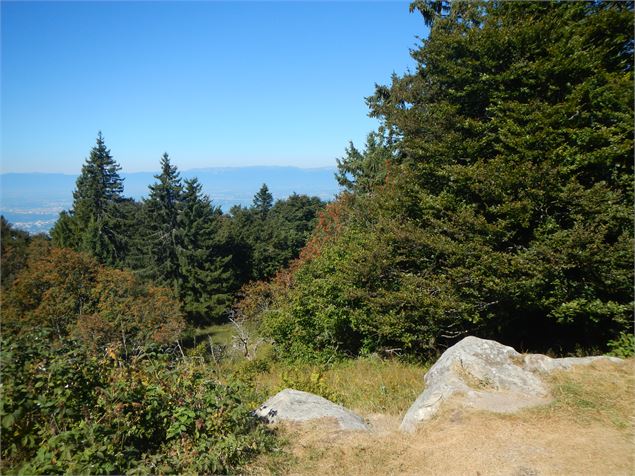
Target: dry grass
{"x": 365, "y": 385}
{"x": 601, "y": 392}
{"x": 586, "y": 430}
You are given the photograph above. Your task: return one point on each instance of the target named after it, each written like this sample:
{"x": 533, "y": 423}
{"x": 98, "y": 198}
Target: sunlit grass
{"x": 599, "y": 392}
{"x": 365, "y": 385}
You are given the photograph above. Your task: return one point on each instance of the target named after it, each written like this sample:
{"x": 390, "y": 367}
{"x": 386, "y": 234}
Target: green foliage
{"x": 505, "y": 206}
{"x": 161, "y": 238}
{"x": 176, "y": 237}
{"x": 184, "y": 246}
{"x": 16, "y": 248}
{"x": 312, "y": 382}
{"x": 361, "y": 171}
{"x": 263, "y": 201}
{"x": 267, "y": 238}
{"x": 204, "y": 259}
{"x": 95, "y": 224}
{"x": 107, "y": 309}
{"x": 623, "y": 346}
{"x": 66, "y": 412}
{"x": 66, "y": 233}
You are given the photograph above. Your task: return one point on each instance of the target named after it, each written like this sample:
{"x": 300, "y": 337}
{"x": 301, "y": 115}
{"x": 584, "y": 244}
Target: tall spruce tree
{"x": 161, "y": 220}
{"x": 263, "y": 201}
{"x": 95, "y": 223}
{"x": 262, "y": 232}
{"x": 207, "y": 280}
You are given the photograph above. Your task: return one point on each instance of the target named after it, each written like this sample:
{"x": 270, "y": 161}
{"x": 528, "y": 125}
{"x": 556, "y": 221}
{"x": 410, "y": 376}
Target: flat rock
{"x": 296, "y": 406}
{"x": 486, "y": 375}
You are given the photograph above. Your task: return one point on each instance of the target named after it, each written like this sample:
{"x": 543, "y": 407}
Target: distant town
{"x": 33, "y": 201}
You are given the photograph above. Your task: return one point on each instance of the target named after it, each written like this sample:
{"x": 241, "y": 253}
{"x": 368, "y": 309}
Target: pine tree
{"x": 161, "y": 211}
{"x": 263, "y": 201}
{"x": 207, "y": 280}
{"x": 98, "y": 186}
{"x": 94, "y": 224}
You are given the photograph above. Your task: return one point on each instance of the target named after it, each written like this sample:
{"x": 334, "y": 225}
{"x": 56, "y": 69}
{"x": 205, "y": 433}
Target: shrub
{"x": 103, "y": 307}
{"x": 623, "y": 346}
{"x": 64, "y": 411}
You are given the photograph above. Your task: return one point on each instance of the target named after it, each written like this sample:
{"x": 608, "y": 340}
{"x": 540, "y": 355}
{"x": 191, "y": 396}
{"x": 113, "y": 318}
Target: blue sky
{"x": 212, "y": 83}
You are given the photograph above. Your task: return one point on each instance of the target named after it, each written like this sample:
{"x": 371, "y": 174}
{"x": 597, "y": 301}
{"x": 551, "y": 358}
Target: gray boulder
{"x": 489, "y": 376}
{"x": 543, "y": 364}
{"x": 297, "y": 406}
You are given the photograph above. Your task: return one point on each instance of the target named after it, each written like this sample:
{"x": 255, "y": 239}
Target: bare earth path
{"x": 587, "y": 430}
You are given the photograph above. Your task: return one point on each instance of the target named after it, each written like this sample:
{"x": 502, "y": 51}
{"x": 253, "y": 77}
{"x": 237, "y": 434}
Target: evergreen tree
{"x": 207, "y": 280}
{"x": 509, "y": 209}
{"x": 161, "y": 223}
{"x": 263, "y": 201}
{"x": 65, "y": 232}
{"x": 133, "y": 218}
{"x": 360, "y": 171}
{"x": 238, "y": 228}
{"x": 98, "y": 186}
{"x": 261, "y": 247}
{"x": 94, "y": 224}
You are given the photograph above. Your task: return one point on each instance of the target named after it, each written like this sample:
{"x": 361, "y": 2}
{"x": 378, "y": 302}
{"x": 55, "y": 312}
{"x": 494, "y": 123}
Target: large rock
{"x": 489, "y": 376}
{"x": 297, "y": 406}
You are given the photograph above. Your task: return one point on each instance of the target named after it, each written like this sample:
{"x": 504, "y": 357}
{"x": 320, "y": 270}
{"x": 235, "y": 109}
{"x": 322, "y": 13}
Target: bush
{"x": 623, "y": 346}
{"x": 103, "y": 307}
{"x": 64, "y": 411}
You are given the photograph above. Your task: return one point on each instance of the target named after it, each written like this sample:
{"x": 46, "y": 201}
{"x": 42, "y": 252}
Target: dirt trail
{"x": 588, "y": 429}
{"x": 464, "y": 444}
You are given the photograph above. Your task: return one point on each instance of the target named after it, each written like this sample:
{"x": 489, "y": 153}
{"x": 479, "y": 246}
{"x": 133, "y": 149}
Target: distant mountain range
{"x": 32, "y": 201}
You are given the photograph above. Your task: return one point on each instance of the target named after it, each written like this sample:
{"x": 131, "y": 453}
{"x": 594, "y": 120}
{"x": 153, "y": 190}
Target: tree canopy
{"x": 504, "y": 208}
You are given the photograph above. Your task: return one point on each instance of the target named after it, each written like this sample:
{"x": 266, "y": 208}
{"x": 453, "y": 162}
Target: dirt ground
{"x": 464, "y": 444}
{"x": 577, "y": 435}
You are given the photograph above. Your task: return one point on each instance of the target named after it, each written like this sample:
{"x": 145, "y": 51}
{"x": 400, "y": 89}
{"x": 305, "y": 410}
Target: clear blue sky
{"x": 212, "y": 83}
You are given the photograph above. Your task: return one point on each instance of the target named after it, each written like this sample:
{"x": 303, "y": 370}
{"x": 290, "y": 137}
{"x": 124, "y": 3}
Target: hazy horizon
{"x": 32, "y": 200}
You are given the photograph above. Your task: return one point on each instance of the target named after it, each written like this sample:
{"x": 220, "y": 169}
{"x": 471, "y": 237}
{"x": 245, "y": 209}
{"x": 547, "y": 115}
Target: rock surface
{"x": 487, "y": 376}
{"x": 297, "y": 406}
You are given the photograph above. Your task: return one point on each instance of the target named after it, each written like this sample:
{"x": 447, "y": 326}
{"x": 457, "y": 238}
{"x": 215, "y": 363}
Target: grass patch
{"x": 220, "y": 334}
{"x": 365, "y": 385}
{"x": 600, "y": 392}
{"x": 585, "y": 430}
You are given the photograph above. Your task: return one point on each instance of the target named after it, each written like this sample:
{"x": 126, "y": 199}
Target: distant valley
{"x": 32, "y": 201}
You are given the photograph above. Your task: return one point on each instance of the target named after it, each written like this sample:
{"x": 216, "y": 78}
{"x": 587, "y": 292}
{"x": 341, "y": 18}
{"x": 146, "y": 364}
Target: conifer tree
{"x": 94, "y": 224}
{"x": 161, "y": 211}
{"x": 98, "y": 186}
{"x": 204, "y": 262}
{"x": 262, "y": 233}
{"x": 508, "y": 209}
{"x": 65, "y": 233}
{"x": 263, "y": 201}
{"x": 360, "y": 171}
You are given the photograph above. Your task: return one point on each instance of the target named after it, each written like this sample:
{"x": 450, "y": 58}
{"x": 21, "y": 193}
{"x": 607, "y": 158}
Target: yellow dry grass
{"x": 365, "y": 385}
{"x": 586, "y": 430}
